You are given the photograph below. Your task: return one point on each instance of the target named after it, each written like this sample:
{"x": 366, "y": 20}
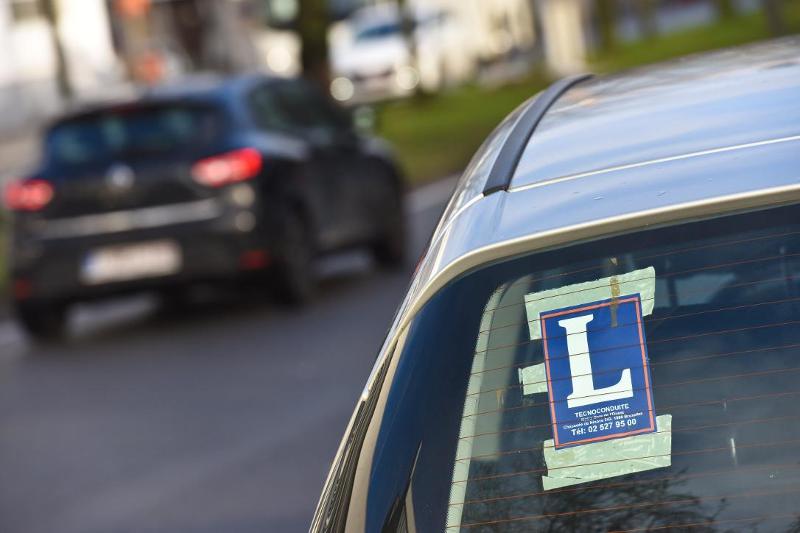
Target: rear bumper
{"x": 50, "y": 266}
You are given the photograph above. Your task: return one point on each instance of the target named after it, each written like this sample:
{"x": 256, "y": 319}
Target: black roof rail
{"x": 511, "y": 152}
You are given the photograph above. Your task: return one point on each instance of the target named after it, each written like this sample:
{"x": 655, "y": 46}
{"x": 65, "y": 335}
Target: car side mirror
{"x": 365, "y": 119}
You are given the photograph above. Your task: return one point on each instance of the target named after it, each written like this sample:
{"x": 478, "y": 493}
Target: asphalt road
{"x": 224, "y": 419}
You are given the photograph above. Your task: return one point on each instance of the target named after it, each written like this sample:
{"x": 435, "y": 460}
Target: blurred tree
{"x": 131, "y": 19}
{"x": 408, "y": 25}
{"x": 607, "y": 20}
{"x": 726, "y": 9}
{"x": 191, "y": 30}
{"x": 773, "y": 10}
{"x": 63, "y": 83}
{"x": 646, "y": 17}
{"x": 313, "y": 21}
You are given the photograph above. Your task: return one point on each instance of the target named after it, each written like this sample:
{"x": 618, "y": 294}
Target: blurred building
{"x": 565, "y": 36}
{"x": 28, "y": 62}
{"x": 83, "y": 49}
{"x": 106, "y": 43}
{"x": 167, "y": 38}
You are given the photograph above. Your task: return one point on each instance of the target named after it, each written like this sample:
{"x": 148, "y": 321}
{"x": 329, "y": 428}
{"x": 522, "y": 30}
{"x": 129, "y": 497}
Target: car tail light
{"x": 230, "y": 167}
{"x": 254, "y": 259}
{"x": 22, "y": 289}
{"x": 28, "y": 195}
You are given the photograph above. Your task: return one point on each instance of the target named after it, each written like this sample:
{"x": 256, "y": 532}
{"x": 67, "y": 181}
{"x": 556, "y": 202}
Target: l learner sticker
{"x": 597, "y": 368}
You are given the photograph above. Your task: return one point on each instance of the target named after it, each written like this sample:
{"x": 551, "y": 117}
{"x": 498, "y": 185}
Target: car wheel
{"x": 43, "y": 322}
{"x": 294, "y": 276}
{"x": 390, "y": 248}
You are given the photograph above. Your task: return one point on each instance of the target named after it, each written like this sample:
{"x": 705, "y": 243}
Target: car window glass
{"x": 307, "y": 108}
{"x": 378, "y": 31}
{"x": 146, "y": 130}
{"x": 267, "y": 110}
{"x": 695, "y": 328}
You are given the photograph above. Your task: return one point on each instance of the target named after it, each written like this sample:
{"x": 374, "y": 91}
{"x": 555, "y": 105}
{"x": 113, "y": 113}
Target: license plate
{"x": 131, "y": 261}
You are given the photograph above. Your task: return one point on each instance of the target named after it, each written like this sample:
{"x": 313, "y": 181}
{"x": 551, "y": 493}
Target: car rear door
{"x": 267, "y": 105}
{"x": 335, "y": 153}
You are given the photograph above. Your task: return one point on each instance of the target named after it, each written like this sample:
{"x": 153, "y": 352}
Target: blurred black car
{"x": 217, "y": 179}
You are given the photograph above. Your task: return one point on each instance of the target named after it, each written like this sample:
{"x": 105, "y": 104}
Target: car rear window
{"x": 133, "y": 130}
{"x": 642, "y": 382}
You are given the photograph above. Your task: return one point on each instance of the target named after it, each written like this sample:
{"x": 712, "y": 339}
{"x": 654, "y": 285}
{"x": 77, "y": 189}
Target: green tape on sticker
{"x": 607, "y": 459}
{"x": 533, "y": 379}
{"x": 641, "y": 281}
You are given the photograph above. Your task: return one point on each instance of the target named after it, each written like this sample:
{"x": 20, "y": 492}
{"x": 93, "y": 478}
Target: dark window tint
{"x": 135, "y": 130}
{"x": 308, "y": 108}
{"x": 711, "y": 310}
{"x": 267, "y": 110}
{"x": 392, "y": 28}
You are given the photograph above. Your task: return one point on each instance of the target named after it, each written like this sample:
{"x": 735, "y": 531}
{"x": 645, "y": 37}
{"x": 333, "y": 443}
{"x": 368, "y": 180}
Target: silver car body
{"x": 701, "y": 136}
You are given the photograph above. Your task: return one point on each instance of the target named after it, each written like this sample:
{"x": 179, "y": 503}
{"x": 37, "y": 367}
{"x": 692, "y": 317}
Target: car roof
{"x": 207, "y": 86}
{"x": 687, "y": 139}
{"x": 729, "y": 98}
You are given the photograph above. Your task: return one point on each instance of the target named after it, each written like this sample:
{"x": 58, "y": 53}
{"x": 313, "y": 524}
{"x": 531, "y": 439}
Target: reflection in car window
{"x": 469, "y": 422}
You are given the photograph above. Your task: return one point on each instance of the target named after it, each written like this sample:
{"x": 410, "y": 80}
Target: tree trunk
{"x": 408, "y": 25}
{"x": 313, "y": 22}
{"x": 607, "y": 19}
{"x": 190, "y": 30}
{"x": 773, "y": 10}
{"x": 726, "y": 9}
{"x": 63, "y": 83}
